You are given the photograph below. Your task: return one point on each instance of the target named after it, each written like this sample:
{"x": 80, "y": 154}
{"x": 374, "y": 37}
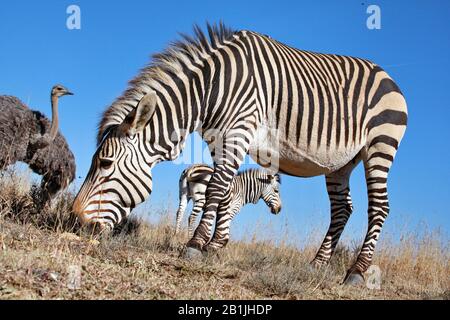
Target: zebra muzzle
{"x": 275, "y": 210}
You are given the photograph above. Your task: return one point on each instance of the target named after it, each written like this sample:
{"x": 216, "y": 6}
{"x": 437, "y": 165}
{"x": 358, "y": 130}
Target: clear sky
{"x": 117, "y": 37}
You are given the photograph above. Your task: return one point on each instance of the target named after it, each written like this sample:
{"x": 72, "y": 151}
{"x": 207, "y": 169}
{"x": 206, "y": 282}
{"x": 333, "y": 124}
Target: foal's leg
{"x": 197, "y": 208}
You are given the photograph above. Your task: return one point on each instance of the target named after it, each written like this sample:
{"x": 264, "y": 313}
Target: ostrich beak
{"x": 68, "y": 93}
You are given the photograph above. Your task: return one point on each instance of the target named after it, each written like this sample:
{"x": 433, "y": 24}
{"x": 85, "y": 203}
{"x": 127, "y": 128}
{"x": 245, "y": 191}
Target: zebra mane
{"x": 171, "y": 60}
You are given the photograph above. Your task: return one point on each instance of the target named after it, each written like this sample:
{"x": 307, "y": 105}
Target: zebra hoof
{"x": 192, "y": 253}
{"x": 211, "y": 251}
{"x": 312, "y": 267}
{"x": 354, "y": 279}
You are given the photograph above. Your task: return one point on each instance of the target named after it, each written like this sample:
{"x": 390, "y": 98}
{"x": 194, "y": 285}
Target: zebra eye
{"x": 106, "y": 163}
{"x": 131, "y": 136}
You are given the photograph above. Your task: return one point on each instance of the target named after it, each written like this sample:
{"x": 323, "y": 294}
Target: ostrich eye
{"x": 106, "y": 163}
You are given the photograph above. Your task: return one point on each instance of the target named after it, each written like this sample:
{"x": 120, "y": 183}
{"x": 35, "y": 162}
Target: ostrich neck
{"x": 54, "y": 127}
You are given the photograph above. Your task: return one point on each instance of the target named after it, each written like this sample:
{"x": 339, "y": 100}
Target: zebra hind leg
{"x": 184, "y": 199}
{"x": 377, "y": 162}
{"x": 180, "y": 213}
{"x": 341, "y": 208}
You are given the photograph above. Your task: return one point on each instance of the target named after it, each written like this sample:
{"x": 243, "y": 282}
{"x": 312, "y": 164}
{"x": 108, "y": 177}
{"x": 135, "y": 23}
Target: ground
{"x": 43, "y": 255}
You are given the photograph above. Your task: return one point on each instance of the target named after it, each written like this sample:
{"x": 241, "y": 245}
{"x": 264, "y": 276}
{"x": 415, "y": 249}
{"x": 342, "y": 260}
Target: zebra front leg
{"x": 228, "y": 151}
{"x": 341, "y": 208}
{"x": 222, "y": 230}
{"x": 198, "y": 207}
{"x": 218, "y": 185}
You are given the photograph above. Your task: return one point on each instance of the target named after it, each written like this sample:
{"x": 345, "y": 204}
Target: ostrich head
{"x": 59, "y": 91}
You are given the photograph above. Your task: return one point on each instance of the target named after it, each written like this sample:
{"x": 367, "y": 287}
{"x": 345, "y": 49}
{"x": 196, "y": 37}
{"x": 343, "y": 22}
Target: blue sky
{"x": 117, "y": 37}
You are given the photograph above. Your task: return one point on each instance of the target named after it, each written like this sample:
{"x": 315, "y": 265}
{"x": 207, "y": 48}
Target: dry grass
{"x": 38, "y": 253}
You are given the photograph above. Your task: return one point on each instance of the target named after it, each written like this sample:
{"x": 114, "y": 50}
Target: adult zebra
{"x": 247, "y": 187}
{"x": 315, "y": 114}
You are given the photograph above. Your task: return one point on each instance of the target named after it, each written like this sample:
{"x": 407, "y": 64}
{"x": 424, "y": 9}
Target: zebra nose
{"x": 103, "y": 227}
{"x": 276, "y": 210}
{"x": 95, "y": 227}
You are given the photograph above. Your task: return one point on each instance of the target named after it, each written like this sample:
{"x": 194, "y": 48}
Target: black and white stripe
{"x": 315, "y": 114}
{"x": 248, "y": 186}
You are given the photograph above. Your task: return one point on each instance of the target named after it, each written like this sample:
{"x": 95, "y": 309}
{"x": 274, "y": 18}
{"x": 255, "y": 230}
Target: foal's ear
{"x": 277, "y": 177}
{"x": 138, "y": 118}
{"x": 274, "y": 178}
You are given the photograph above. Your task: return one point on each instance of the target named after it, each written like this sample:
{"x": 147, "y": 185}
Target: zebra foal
{"x": 248, "y": 186}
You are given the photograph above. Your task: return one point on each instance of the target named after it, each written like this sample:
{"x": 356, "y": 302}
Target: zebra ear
{"x": 275, "y": 177}
{"x": 139, "y": 117}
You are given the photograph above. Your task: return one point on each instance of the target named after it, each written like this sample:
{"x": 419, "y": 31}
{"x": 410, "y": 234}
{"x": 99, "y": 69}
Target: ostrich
{"x": 28, "y": 136}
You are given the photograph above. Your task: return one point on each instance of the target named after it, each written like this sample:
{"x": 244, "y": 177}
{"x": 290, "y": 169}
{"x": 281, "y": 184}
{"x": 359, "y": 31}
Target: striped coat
{"x": 248, "y": 186}
{"x": 299, "y": 112}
